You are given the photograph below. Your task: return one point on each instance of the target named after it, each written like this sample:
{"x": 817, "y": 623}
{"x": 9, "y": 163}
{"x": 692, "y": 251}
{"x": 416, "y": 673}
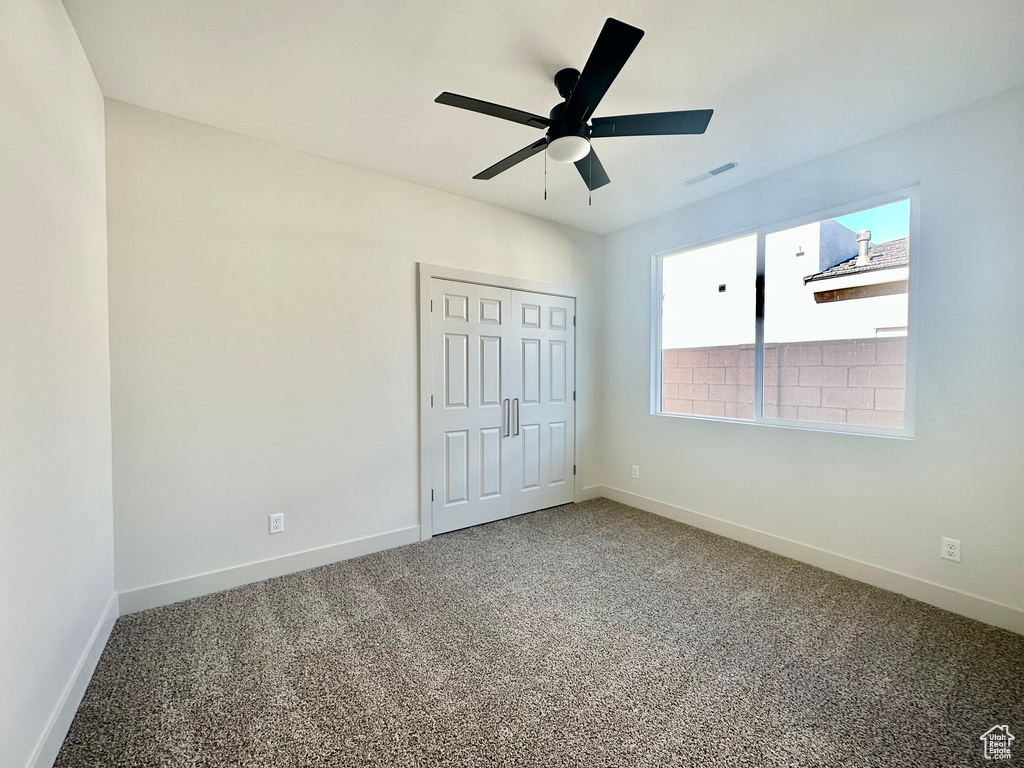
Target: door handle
{"x": 506, "y": 417}
{"x": 515, "y": 407}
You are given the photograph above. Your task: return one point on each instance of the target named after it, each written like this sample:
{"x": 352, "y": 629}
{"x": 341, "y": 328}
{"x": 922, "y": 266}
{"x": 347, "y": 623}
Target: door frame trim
{"x": 425, "y": 273}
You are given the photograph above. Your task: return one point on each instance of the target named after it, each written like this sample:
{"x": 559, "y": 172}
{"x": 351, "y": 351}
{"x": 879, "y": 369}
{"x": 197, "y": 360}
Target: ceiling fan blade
{"x": 494, "y": 110}
{"x": 592, "y": 171}
{"x": 513, "y": 159}
{"x": 652, "y": 124}
{"x": 614, "y": 46}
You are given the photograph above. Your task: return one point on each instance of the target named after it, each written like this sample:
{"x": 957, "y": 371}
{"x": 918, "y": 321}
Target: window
{"x": 708, "y": 328}
{"x": 805, "y": 323}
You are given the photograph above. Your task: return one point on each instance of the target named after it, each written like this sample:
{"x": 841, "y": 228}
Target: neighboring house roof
{"x": 888, "y": 255}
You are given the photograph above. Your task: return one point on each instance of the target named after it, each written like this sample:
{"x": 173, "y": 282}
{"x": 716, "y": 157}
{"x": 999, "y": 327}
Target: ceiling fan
{"x": 570, "y": 126}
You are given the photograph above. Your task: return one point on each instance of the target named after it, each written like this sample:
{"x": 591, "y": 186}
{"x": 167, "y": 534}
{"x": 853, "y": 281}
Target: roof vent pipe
{"x": 863, "y": 241}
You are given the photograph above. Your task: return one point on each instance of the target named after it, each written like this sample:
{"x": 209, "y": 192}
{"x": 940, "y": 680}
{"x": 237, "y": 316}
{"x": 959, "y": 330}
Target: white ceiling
{"x": 354, "y": 80}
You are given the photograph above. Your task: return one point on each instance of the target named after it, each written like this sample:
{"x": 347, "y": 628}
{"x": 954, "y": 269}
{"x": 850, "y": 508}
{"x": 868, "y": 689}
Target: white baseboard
{"x": 165, "y": 593}
{"x": 60, "y": 721}
{"x": 963, "y": 603}
{"x": 592, "y": 492}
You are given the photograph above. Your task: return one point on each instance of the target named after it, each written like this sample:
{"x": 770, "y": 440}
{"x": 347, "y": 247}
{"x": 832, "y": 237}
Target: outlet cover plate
{"x": 277, "y": 523}
{"x": 949, "y": 549}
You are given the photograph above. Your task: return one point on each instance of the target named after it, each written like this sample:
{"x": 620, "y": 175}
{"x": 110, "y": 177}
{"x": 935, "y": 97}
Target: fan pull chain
{"x": 545, "y": 175}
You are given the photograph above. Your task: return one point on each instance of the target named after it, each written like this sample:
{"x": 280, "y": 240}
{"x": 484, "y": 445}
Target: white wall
{"x": 883, "y": 501}
{"x": 694, "y": 312}
{"x": 56, "y": 541}
{"x": 263, "y": 313}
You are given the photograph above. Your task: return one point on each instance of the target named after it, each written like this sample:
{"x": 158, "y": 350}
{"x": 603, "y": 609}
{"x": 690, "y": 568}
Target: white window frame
{"x": 657, "y": 293}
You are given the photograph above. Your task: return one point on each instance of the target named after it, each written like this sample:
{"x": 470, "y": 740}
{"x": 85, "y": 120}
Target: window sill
{"x": 804, "y": 426}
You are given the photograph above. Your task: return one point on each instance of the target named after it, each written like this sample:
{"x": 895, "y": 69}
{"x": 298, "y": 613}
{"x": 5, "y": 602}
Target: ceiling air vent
{"x": 713, "y": 172}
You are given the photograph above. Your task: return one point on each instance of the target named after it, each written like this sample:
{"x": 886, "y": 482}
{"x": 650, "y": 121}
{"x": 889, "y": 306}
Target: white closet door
{"x": 543, "y": 412}
{"x": 470, "y": 361}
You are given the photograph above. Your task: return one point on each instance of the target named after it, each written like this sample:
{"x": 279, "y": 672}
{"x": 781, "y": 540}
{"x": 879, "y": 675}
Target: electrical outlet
{"x": 636, "y": 472}
{"x": 950, "y": 549}
{"x": 277, "y": 523}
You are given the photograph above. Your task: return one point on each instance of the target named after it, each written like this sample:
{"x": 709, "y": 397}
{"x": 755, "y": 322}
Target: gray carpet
{"x": 587, "y": 635}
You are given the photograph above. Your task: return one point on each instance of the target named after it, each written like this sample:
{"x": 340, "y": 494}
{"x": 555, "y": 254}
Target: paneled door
{"x": 543, "y": 406}
{"x": 470, "y": 355}
{"x": 503, "y": 403}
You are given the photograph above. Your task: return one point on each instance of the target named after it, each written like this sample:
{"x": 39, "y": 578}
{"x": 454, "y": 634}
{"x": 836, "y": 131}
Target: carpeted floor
{"x": 588, "y": 635}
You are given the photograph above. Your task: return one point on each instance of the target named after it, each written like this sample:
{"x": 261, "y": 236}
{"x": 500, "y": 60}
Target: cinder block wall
{"x": 858, "y": 381}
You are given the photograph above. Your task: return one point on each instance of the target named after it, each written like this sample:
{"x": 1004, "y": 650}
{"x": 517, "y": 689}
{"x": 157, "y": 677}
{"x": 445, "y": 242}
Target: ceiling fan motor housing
{"x": 568, "y": 141}
{"x": 560, "y": 127}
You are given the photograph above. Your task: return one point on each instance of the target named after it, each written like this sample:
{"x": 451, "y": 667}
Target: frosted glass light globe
{"x": 568, "y": 149}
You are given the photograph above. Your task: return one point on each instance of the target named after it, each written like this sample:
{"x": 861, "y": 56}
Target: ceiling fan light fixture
{"x": 568, "y": 149}
{"x": 570, "y": 126}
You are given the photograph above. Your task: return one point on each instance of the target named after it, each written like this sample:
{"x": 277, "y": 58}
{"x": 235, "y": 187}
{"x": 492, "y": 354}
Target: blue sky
{"x": 886, "y": 222}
